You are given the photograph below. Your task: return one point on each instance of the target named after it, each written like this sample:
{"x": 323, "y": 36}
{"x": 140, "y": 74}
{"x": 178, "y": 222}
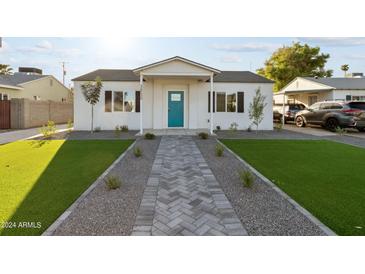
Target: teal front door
{"x": 176, "y": 109}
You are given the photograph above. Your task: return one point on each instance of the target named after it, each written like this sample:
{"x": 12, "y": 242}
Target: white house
{"x": 309, "y": 90}
{"x": 172, "y": 93}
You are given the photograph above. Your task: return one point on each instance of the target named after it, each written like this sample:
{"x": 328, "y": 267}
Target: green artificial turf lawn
{"x": 325, "y": 177}
{"x": 39, "y": 180}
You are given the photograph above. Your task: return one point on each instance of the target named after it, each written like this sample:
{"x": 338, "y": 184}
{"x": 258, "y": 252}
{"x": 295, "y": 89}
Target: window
{"x": 129, "y": 101}
{"x": 348, "y": 97}
{"x": 221, "y": 101}
{"x": 36, "y": 98}
{"x": 331, "y": 106}
{"x": 357, "y": 105}
{"x": 231, "y": 102}
{"x": 118, "y": 101}
{"x": 240, "y": 102}
{"x": 358, "y": 98}
{"x": 108, "y": 101}
{"x": 315, "y": 106}
{"x": 1, "y": 96}
{"x": 138, "y": 101}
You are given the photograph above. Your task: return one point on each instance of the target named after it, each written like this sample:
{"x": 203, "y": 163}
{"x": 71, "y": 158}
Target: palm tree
{"x": 5, "y": 69}
{"x": 345, "y": 68}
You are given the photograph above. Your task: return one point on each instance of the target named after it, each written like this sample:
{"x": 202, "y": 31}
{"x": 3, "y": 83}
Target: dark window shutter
{"x": 108, "y": 101}
{"x": 240, "y": 102}
{"x": 138, "y": 101}
{"x": 209, "y": 101}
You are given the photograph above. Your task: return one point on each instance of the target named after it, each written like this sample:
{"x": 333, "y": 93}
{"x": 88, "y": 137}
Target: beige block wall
{"x": 27, "y": 113}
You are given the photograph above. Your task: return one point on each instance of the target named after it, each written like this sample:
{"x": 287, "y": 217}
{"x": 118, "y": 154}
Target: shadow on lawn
{"x": 75, "y": 166}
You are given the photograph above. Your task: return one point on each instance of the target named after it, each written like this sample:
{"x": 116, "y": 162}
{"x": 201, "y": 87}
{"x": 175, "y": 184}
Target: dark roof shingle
{"x": 340, "y": 82}
{"x": 129, "y": 75}
{"x": 18, "y": 79}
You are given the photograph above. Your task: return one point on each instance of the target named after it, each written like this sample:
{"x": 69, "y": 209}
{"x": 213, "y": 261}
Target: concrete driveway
{"x": 15, "y": 135}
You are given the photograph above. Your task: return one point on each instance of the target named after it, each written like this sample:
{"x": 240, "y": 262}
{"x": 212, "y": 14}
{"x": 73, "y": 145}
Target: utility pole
{"x": 63, "y": 72}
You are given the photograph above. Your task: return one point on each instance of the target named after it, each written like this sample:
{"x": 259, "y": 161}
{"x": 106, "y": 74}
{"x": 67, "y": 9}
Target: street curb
{"x": 297, "y": 206}
{"x": 52, "y": 228}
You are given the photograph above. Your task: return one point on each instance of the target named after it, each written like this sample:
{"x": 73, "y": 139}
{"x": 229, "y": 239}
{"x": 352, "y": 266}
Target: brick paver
{"x": 182, "y": 196}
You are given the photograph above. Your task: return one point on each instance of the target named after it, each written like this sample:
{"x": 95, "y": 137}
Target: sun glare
{"x": 116, "y": 43}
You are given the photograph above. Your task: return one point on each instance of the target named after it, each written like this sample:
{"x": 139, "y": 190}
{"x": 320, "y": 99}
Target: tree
{"x": 289, "y": 62}
{"x": 345, "y": 68}
{"x": 91, "y": 92}
{"x": 5, "y": 69}
{"x": 256, "y": 109}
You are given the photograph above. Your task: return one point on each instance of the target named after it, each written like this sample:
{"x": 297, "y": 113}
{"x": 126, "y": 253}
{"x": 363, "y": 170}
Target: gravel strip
{"x": 265, "y": 134}
{"x": 261, "y": 209}
{"x": 113, "y": 212}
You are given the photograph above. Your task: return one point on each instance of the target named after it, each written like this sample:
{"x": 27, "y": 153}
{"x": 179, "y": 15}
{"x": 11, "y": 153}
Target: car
{"x": 290, "y": 111}
{"x": 333, "y": 115}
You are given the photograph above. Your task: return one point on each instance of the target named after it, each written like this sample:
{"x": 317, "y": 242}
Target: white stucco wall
{"x": 155, "y": 105}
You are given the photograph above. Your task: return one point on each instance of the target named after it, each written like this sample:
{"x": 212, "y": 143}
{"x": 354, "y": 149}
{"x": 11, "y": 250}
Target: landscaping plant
{"x": 149, "y": 136}
{"x": 137, "y": 151}
{"x": 219, "y": 150}
{"x": 48, "y": 130}
{"x": 340, "y": 130}
{"x": 256, "y": 109}
{"x": 246, "y": 178}
{"x": 203, "y": 135}
{"x": 112, "y": 182}
{"x": 233, "y": 126}
{"x": 117, "y": 131}
{"x": 124, "y": 128}
{"x": 91, "y": 92}
{"x": 97, "y": 129}
{"x": 69, "y": 125}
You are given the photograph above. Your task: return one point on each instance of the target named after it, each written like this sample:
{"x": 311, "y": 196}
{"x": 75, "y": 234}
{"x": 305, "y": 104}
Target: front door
{"x": 176, "y": 109}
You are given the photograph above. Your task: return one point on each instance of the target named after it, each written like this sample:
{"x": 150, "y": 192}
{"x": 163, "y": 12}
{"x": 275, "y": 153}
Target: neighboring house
{"x": 34, "y": 87}
{"x": 309, "y": 90}
{"x": 175, "y": 93}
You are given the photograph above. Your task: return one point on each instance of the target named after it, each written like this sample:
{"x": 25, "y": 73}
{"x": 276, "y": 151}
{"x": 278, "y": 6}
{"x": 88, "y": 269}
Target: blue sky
{"x": 83, "y": 55}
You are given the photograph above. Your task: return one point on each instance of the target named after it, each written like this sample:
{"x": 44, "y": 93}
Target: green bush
{"x": 278, "y": 126}
{"x": 219, "y": 150}
{"x": 117, "y": 131}
{"x": 137, "y": 151}
{"x": 249, "y": 129}
{"x": 69, "y": 125}
{"x": 124, "y": 128}
{"x": 48, "y": 130}
{"x": 203, "y": 135}
{"x": 112, "y": 182}
{"x": 149, "y": 136}
{"x": 218, "y": 128}
{"x": 246, "y": 178}
{"x": 233, "y": 126}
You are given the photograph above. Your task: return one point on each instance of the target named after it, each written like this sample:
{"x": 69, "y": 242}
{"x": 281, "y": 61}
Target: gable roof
{"x": 340, "y": 82}
{"x": 15, "y": 80}
{"x": 128, "y": 75}
{"x": 176, "y": 58}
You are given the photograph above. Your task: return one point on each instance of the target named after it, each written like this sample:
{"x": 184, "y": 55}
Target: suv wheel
{"x": 332, "y": 124}
{"x": 299, "y": 121}
{"x": 362, "y": 129}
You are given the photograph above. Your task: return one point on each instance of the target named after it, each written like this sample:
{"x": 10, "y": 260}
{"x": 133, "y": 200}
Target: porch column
{"x": 211, "y": 103}
{"x": 283, "y": 118}
{"x": 141, "y": 104}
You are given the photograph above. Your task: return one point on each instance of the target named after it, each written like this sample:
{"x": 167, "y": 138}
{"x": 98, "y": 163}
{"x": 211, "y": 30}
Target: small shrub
{"x": 112, "y": 182}
{"x": 97, "y": 129}
{"x": 249, "y": 129}
{"x": 219, "y": 150}
{"x": 137, "y": 151}
{"x": 149, "y": 136}
{"x": 246, "y": 178}
{"x": 117, "y": 131}
{"x": 48, "y": 130}
{"x": 203, "y": 135}
{"x": 340, "y": 130}
{"x": 218, "y": 128}
{"x": 70, "y": 124}
{"x": 233, "y": 126}
{"x": 124, "y": 128}
{"x": 278, "y": 126}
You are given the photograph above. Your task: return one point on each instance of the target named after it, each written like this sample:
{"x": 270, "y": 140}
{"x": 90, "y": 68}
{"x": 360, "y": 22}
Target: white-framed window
{"x": 227, "y": 102}
{"x": 5, "y": 97}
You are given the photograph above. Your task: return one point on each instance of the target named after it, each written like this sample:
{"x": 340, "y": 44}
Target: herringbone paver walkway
{"x": 182, "y": 196}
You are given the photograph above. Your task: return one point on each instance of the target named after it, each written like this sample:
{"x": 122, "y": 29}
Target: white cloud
{"x": 45, "y": 44}
{"x": 334, "y": 41}
{"x": 246, "y": 47}
{"x": 231, "y": 59}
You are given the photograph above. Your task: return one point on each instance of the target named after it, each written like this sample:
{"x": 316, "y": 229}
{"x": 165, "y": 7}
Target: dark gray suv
{"x": 333, "y": 114}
